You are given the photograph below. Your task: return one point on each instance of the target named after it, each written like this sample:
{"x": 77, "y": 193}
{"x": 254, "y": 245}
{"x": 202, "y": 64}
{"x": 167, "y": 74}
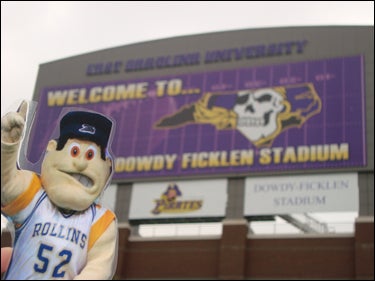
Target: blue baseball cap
{"x": 86, "y": 125}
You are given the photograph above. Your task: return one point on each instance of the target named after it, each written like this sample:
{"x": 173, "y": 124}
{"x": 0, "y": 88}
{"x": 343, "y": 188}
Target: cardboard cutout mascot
{"x": 60, "y": 230}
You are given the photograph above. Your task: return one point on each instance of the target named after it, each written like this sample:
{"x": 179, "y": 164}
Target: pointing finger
{"x": 22, "y": 110}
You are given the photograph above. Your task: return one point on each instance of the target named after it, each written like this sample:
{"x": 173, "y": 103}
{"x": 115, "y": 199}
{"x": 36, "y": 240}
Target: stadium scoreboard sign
{"x": 306, "y": 114}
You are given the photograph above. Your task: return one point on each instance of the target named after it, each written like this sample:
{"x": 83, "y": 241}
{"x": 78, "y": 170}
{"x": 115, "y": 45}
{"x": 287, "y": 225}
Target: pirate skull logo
{"x": 257, "y": 112}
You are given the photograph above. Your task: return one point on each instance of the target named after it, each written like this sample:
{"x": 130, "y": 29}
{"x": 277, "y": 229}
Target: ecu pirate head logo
{"x": 260, "y": 115}
{"x": 168, "y": 202}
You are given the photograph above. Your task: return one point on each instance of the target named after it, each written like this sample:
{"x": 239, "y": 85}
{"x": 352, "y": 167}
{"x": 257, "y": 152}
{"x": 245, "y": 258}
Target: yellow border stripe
{"x": 99, "y": 227}
{"x": 24, "y": 198}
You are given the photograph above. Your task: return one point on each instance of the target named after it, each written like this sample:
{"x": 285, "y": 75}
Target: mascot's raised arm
{"x": 60, "y": 230}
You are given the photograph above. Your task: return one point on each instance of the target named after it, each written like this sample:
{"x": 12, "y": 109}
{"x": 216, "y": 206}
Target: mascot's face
{"x": 76, "y": 175}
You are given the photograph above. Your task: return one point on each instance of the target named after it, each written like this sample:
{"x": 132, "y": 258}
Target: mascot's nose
{"x": 80, "y": 163}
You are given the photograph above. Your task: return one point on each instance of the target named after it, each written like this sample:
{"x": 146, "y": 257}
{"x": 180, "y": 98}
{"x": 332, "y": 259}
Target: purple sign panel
{"x": 294, "y": 116}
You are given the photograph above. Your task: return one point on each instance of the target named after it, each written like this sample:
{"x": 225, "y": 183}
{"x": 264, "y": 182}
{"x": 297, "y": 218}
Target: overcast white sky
{"x": 37, "y": 32}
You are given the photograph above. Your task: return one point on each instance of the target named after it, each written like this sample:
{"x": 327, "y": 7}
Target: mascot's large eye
{"x": 90, "y": 152}
{"x": 74, "y": 149}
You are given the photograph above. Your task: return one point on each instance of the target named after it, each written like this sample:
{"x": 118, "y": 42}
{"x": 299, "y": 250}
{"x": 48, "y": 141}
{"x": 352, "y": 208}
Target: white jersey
{"x": 48, "y": 243}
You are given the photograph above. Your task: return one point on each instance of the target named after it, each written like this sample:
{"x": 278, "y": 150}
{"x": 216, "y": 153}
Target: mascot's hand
{"x": 12, "y": 124}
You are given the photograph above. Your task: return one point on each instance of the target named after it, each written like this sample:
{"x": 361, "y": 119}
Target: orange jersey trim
{"x": 24, "y": 198}
{"x": 99, "y": 227}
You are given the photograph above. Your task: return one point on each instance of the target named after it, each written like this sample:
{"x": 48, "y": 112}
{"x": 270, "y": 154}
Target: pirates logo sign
{"x": 260, "y": 115}
{"x": 168, "y": 202}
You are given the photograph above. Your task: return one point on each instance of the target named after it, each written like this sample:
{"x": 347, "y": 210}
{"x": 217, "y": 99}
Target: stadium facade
{"x": 232, "y": 127}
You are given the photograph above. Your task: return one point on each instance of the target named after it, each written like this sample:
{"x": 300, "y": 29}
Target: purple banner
{"x": 295, "y": 116}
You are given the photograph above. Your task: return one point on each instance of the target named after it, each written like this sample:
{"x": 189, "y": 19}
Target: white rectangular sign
{"x": 182, "y": 199}
{"x": 301, "y": 194}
